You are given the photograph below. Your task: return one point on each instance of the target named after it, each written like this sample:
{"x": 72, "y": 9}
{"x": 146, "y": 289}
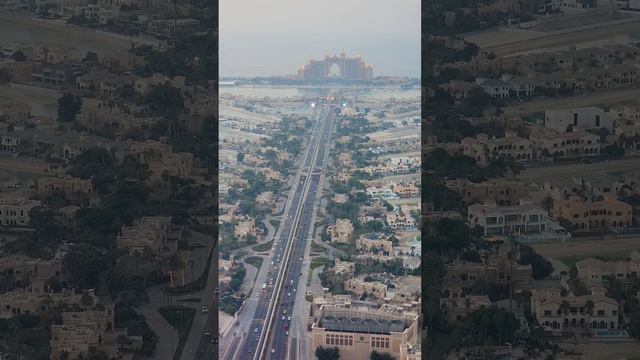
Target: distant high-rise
{"x": 336, "y": 68}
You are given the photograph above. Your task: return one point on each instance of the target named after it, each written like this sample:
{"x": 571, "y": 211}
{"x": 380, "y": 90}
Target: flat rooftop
{"x": 362, "y": 322}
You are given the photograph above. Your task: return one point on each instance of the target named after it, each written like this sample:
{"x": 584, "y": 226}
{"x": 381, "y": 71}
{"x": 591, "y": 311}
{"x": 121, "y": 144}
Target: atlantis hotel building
{"x": 336, "y": 68}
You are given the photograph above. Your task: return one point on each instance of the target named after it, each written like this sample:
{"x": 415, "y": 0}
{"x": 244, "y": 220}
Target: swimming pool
{"x": 610, "y": 333}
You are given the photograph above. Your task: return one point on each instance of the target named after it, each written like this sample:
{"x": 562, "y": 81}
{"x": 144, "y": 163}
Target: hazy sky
{"x": 274, "y": 37}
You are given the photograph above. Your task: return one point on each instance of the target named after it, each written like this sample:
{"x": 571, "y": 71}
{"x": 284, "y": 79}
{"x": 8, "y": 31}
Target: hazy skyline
{"x": 274, "y": 37}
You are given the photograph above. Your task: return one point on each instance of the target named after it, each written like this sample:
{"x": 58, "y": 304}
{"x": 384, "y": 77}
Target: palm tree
{"x": 547, "y": 204}
{"x": 175, "y": 263}
{"x": 589, "y": 306}
{"x": 122, "y": 340}
{"x": 565, "y": 307}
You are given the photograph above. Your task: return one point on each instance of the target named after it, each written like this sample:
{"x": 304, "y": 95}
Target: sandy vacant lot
{"x": 500, "y": 36}
{"x": 232, "y": 134}
{"x": 405, "y": 201}
{"x": 15, "y": 28}
{"x": 573, "y": 170}
{"x": 579, "y": 249}
{"x": 23, "y": 166}
{"x": 610, "y": 351}
{"x": 43, "y": 102}
{"x": 403, "y": 177}
{"x": 395, "y": 133}
{"x": 231, "y": 112}
{"x": 598, "y": 98}
{"x": 566, "y": 38}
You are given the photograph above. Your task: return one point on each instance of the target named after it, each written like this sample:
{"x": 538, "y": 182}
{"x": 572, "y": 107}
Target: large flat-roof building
{"x": 336, "y": 68}
{"x": 357, "y": 333}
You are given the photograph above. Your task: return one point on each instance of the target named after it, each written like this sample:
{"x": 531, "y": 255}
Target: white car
{"x": 289, "y": 318}
{"x": 205, "y": 309}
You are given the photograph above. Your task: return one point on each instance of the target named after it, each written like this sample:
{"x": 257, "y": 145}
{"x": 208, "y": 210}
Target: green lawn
{"x": 316, "y": 262}
{"x": 347, "y": 248}
{"x": 196, "y": 300}
{"x": 263, "y": 247}
{"x": 179, "y": 317}
{"x": 255, "y": 261}
{"x": 570, "y": 261}
{"x": 317, "y": 248}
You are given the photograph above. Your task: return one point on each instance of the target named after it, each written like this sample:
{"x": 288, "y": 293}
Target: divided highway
{"x": 269, "y": 316}
{"x": 279, "y": 334}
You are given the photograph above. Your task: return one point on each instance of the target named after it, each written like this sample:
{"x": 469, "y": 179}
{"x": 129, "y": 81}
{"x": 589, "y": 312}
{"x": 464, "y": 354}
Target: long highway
{"x": 279, "y": 347}
{"x": 264, "y": 331}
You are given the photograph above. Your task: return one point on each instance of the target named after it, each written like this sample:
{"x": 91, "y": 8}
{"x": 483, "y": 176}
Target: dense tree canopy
{"x": 327, "y": 353}
{"x": 164, "y": 100}
{"x": 542, "y": 268}
{"x": 69, "y": 106}
{"x": 380, "y": 356}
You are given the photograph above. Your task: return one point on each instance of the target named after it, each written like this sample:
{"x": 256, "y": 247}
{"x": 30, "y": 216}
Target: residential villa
{"x": 557, "y": 313}
{"x": 584, "y": 215}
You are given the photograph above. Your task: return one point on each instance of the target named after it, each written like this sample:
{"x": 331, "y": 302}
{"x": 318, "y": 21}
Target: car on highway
{"x": 255, "y": 330}
{"x": 207, "y": 332}
{"x": 289, "y": 318}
